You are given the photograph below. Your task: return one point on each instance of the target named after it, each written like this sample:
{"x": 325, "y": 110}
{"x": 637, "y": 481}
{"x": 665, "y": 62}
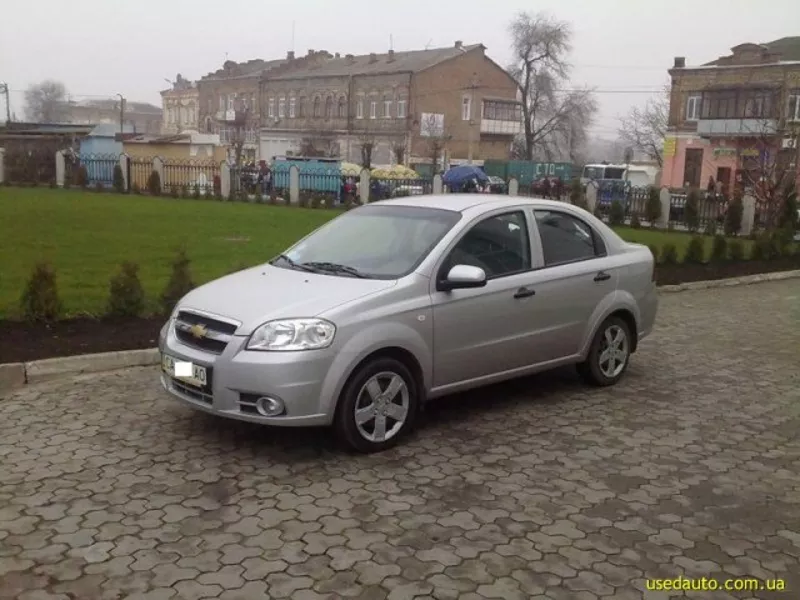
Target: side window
{"x": 499, "y": 245}
{"x": 566, "y": 238}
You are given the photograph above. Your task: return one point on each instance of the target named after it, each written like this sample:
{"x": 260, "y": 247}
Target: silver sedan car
{"x": 398, "y": 302}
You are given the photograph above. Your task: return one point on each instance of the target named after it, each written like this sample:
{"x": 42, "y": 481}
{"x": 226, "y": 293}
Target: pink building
{"x": 735, "y": 119}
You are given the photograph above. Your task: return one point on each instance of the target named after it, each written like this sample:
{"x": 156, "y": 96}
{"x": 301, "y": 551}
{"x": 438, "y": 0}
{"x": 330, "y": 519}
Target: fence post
{"x": 61, "y": 168}
{"x": 666, "y": 205}
{"x": 438, "y": 188}
{"x": 158, "y": 167}
{"x": 748, "y": 215}
{"x": 225, "y": 180}
{"x": 124, "y": 164}
{"x": 2, "y": 165}
{"x": 591, "y": 197}
{"x": 294, "y": 185}
{"x": 363, "y": 186}
{"x": 513, "y": 186}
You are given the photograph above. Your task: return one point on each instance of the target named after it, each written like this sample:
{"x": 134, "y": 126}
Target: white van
{"x": 636, "y": 175}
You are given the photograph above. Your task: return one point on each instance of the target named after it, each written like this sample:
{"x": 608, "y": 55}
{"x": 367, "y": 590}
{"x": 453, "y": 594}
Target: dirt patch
{"x": 24, "y": 342}
{"x": 686, "y": 273}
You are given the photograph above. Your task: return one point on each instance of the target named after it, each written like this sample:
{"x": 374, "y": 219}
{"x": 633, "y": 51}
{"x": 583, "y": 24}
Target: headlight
{"x": 292, "y": 334}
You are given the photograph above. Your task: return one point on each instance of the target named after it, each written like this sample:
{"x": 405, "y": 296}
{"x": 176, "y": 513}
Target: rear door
{"x": 574, "y": 277}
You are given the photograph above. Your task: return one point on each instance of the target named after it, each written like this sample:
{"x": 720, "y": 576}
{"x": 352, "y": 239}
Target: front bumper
{"x": 239, "y": 376}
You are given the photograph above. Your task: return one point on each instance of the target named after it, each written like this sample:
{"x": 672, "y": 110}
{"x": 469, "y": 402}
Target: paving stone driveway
{"x": 540, "y": 488}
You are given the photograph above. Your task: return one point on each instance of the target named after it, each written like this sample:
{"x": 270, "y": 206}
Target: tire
{"x": 360, "y": 394}
{"x": 595, "y": 370}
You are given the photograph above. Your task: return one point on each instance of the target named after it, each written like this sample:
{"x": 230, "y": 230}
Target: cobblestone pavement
{"x": 540, "y": 488}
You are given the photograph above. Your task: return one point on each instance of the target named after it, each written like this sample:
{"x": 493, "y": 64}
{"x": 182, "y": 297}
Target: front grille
{"x": 216, "y": 334}
{"x": 247, "y": 404}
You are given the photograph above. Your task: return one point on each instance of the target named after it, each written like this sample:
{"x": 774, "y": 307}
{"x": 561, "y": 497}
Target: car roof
{"x": 464, "y": 202}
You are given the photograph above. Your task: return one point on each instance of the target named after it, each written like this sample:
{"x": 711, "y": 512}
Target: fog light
{"x": 269, "y": 407}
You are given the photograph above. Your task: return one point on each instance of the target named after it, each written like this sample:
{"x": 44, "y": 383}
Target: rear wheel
{"x": 608, "y": 355}
{"x": 378, "y": 406}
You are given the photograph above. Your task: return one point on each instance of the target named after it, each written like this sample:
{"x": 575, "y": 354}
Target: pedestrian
{"x": 546, "y": 187}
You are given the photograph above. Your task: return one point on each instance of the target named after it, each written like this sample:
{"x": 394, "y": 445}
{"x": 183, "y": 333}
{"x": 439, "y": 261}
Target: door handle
{"x": 602, "y": 276}
{"x": 524, "y": 292}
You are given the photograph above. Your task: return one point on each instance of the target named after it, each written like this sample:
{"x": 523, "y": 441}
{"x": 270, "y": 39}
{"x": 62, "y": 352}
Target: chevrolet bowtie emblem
{"x": 199, "y": 331}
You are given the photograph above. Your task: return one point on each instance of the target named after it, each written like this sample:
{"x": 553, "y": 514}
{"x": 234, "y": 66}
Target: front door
{"x": 724, "y": 178}
{"x": 692, "y": 167}
{"x": 480, "y": 332}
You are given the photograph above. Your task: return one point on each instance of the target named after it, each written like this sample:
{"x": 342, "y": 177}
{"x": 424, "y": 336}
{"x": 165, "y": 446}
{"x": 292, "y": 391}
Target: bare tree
{"x": 46, "y": 102}
{"x": 644, "y": 129}
{"x": 320, "y": 143}
{"x": 768, "y": 173}
{"x": 432, "y": 128}
{"x": 399, "y": 150}
{"x": 366, "y": 142}
{"x": 540, "y": 45}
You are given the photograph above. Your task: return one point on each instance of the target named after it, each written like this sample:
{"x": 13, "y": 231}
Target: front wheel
{"x": 378, "y": 406}
{"x": 608, "y": 355}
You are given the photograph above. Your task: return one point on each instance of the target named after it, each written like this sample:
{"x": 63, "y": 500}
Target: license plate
{"x": 184, "y": 370}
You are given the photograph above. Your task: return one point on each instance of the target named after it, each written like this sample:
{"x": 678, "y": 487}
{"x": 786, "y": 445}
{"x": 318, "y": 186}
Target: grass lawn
{"x": 86, "y": 235}
{"x": 657, "y": 237}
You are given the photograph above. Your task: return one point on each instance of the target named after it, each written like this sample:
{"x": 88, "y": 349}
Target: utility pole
{"x": 121, "y": 114}
{"x": 4, "y": 89}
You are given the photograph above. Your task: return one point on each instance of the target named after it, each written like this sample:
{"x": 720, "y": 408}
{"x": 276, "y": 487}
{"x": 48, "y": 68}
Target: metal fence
{"x": 382, "y": 189}
{"x": 190, "y": 176}
{"x": 139, "y": 170}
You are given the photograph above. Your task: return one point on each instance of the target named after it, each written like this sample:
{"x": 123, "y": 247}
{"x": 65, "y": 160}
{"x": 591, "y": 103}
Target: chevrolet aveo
{"x": 395, "y": 303}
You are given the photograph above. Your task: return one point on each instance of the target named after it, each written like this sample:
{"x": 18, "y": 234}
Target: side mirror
{"x": 463, "y": 277}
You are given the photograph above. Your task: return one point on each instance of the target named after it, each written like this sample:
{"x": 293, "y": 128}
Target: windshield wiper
{"x": 333, "y": 268}
{"x": 294, "y": 265}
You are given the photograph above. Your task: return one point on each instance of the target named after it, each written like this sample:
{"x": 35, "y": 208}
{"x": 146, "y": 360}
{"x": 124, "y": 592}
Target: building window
{"x": 292, "y": 107}
{"x": 281, "y": 108}
{"x": 793, "y": 113}
{"x": 271, "y": 108}
{"x": 466, "y": 108}
{"x": 221, "y": 102}
{"x": 231, "y": 101}
{"x": 360, "y": 109}
{"x": 317, "y": 107}
{"x": 693, "y": 108}
{"x": 401, "y": 109}
{"x": 502, "y": 111}
{"x": 387, "y": 108}
{"x": 329, "y": 107}
{"x": 373, "y": 109}
{"x": 253, "y": 104}
{"x": 342, "y": 108}
{"x": 301, "y": 107}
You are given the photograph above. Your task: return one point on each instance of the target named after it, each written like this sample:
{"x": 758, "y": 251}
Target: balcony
{"x": 498, "y": 127}
{"x": 736, "y": 127}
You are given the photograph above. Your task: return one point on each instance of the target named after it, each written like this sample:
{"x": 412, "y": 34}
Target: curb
{"x": 13, "y": 375}
{"x": 733, "y": 281}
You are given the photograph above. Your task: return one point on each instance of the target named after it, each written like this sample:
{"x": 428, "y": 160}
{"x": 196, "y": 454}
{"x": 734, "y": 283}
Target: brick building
{"x": 229, "y": 103}
{"x": 406, "y": 106}
{"x": 735, "y": 119}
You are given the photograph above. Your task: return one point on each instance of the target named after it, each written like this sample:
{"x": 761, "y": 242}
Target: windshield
{"x": 593, "y": 172}
{"x": 380, "y": 242}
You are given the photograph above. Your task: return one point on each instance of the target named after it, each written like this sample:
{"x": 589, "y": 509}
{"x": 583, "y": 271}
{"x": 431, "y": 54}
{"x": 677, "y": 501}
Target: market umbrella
{"x": 458, "y": 176}
{"x": 395, "y": 172}
{"x": 351, "y": 169}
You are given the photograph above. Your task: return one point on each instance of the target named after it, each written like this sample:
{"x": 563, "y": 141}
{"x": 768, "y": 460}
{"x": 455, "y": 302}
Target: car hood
{"x": 263, "y": 293}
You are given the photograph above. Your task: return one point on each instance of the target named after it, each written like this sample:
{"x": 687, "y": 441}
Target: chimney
{"x": 459, "y": 44}
{"x": 290, "y": 55}
{"x": 680, "y": 62}
{"x": 391, "y": 55}
{"x": 350, "y": 59}
{"x": 373, "y": 58}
